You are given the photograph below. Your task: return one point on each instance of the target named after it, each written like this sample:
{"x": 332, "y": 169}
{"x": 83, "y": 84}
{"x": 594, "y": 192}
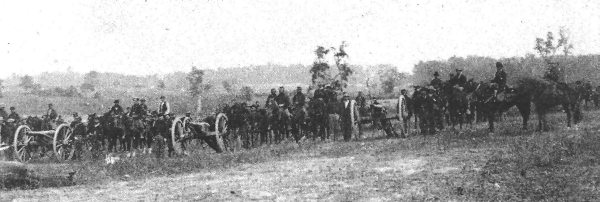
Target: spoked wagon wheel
{"x": 21, "y": 143}
{"x": 177, "y": 133}
{"x": 63, "y": 143}
{"x": 221, "y": 130}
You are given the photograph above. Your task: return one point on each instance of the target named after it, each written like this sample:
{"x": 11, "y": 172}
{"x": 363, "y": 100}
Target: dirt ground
{"x": 369, "y": 174}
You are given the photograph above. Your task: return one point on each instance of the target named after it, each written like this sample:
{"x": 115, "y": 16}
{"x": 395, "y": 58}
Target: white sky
{"x": 161, "y": 36}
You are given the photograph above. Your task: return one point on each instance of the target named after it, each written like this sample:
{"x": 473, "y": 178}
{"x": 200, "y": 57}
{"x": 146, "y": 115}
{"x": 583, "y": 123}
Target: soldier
{"x": 164, "y": 107}
{"x": 458, "y": 79}
{"x": 436, "y": 82}
{"x": 14, "y": 116}
{"x": 404, "y": 106}
{"x": 299, "y": 99}
{"x": 361, "y": 101}
{"x": 3, "y": 113}
{"x": 346, "y": 118}
{"x": 319, "y": 92}
{"x": 272, "y": 96}
{"x": 51, "y": 113}
{"x": 282, "y": 99}
{"x": 76, "y": 120}
{"x": 499, "y": 78}
{"x": 116, "y": 109}
{"x": 143, "y": 106}
{"x": 136, "y": 108}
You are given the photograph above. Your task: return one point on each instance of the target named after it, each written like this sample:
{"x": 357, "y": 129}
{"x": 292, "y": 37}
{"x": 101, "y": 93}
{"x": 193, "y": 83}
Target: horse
{"x": 546, "y": 95}
{"x": 113, "y": 127}
{"x": 317, "y": 118}
{"x": 427, "y": 107}
{"x": 136, "y": 133}
{"x": 299, "y": 122}
{"x": 238, "y": 115}
{"x": 278, "y": 120}
{"x": 459, "y": 101}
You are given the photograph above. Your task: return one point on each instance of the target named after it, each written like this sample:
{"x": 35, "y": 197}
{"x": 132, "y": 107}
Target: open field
{"x": 471, "y": 165}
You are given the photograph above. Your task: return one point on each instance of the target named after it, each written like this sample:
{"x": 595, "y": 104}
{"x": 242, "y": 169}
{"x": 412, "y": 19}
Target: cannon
{"x": 60, "y": 141}
{"x": 183, "y": 130}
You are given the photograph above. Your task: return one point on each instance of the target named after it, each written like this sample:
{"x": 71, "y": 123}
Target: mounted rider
{"x": 116, "y": 109}
{"x": 299, "y": 98}
{"x": 13, "y": 117}
{"x": 144, "y": 107}
{"x": 458, "y": 79}
{"x": 137, "y": 111}
{"x": 436, "y": 82}
{"x": 271, "y": 97}
{"x": 283, "y": 101}
{"x": 499, "y": 79}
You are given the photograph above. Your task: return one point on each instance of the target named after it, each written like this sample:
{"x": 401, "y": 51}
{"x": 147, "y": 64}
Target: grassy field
{"x": 471, "y": 165}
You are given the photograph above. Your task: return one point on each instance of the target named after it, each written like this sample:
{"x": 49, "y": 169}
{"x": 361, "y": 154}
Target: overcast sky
{"x": 155, "y": 36}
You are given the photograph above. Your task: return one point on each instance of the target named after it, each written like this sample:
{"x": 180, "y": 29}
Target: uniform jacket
{"x": 164, "y": 108}
{"x": 500, "y": 78}
{"x": 299, "y": 99}
{"x": 283, "y": 99}
{"x": 51, "y": 114}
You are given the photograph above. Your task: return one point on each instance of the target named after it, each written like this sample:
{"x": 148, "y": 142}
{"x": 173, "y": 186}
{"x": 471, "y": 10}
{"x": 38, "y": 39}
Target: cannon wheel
{"x": 355, "y": 118}
{"x": 221, "y": 130}
{"x": 177, "y": 132}
{"x": 63, "y": 144}
{"x": 21, "y": 143}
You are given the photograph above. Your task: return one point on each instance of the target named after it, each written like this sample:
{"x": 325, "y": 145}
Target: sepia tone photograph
{"x": 307, "y": 100}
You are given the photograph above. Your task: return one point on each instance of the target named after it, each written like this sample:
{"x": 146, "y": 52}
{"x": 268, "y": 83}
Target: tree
{"x": 90, "y": 81}
{"x": 161, "y": 84}
{"x": 1, "y": 87}
{"x": 390, "y": 78}
{"x": 27, "y": 82}
{"x": 547, "y": 50}
{"x": 196, "y": 88}
{"x": 247, "y": 93}
{"x": 195, "y": 79}
{"x": 321, "y": 71}
{"x": 227, "y": 86}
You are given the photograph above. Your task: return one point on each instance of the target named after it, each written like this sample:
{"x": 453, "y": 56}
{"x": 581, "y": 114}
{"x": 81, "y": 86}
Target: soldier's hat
{"x": 50, "y": 104}
{"x": 12, "y": 108}
{"x": 499, "y": 64}
{"x": 143, "y": 99}
{"x": 436, "y": 73}
{"x": 162, "y": 97}
{"x": 188, "y": 113}
{"x": 75, "y": 114}
{"x": 136, "y": 99}
{"x": 459, "y": 69}
{"x": 116, "y": 101}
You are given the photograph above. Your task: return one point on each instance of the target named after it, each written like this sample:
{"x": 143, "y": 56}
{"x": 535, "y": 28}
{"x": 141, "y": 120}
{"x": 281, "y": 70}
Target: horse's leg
{"x": 525, "y": 110}
{"x": 567, "y": 109}
{"x": 491, "y": 115}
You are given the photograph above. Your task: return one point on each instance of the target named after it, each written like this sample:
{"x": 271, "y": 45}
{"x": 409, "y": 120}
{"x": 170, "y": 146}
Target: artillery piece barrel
{"x": 49, "y": 133}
